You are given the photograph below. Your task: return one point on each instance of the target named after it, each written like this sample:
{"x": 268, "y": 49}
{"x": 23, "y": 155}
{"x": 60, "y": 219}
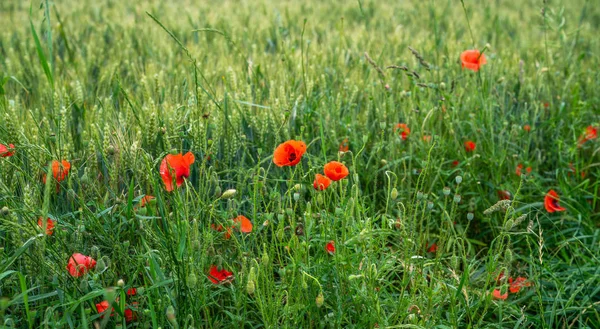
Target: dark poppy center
{"x": 554, "y": 203}
{"x": 292, "y": 156}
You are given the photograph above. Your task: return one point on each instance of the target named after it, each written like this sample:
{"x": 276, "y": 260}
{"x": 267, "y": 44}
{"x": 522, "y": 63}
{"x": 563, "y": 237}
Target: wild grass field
{"x": 299, "y": 164}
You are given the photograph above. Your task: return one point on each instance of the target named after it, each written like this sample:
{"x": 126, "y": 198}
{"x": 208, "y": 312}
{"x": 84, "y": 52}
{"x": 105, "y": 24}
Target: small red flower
{"x": 80, "y": 264}
{"x": 470, "y": 146}
{"x": 216, "y": 276}
{"x": 519, "y": 170}
{"x": 404, "y": 130}
{"x": 131, "y": 292}
{"x": 245, "y": 225}
{"x": 330, "y": 247}
{"x": 49, "y": 225}
{"x": 321, "y": 182}
{"x": 427, "y": 138}
{"x": 504, "y": 195}
{"x": 130, "y": 314}
{"x": 517, "y": 284}
{"x": 433, "y": 248}
{"x": 335, "y": 170}
{"x": 498, "y": 295}
{"x": 146, "y": 200}
{"x": 7, "y": 151}
{"x": 527, "y": 128}
{"x": 103, "y": 306}
{"x": 289, "y": 153}
{"x": 551, "y": 202}
{"x": 60, "y": 170}
{"x": 590, "y": 133}
{"x": 455, "y": 163}
{"x": 175, "y": 165}
{"x": 472, "y": 60}
{"x": 344, "y": 145}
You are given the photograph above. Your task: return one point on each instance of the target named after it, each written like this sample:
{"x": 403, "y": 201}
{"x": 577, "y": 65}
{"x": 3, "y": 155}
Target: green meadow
{"x": 163, "y": 164}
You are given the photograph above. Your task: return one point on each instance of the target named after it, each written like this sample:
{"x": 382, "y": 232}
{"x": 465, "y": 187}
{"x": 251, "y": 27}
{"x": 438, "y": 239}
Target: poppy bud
{"x": 394, "y": 193}
{"x": 228, "y": 194}
{"x": 296, "y": 196}
{"x": 250, "y": 287}
{"x": 508, "y": 256}
{"x": 457, "y": 198}
{"x": 320, "y": 299}
{"x": 442, "y": 85}
{"x": 100, "y": 265}
{"x": 265, "y": 259}
{"x": 192, "y": 280}
{"x": 218, "y": 191}
{"x": 446, "y": 191}
{"x": 297, "y": 187}
{"x": 4, "y": 211}
{"x": 304, "y": 283}
{"x": 365, "y": 139}
{"x": 429, "y": 205}
{"x": 508, "y": 225}
{"x": 420, "y": 195}
{"x": 121, "y": 283}
{"x": 458, "y": 179}
{"x": 171, "y": 315}
{"x": 470, "y": 216}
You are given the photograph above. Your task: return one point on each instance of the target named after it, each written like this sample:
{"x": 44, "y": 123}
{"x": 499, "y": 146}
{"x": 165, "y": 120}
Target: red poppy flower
{"x": 519, "y": 170}
{"x": 80, "y": 264}
{"x": 472, "y": 60}
{"x": 217, "y": 276}
{"x": 321, "y": 182}
{"x": 498, "y": 295}
{"x": 130, "y": 315}
{"x": 590, "y": 133}
{"x": 517, "y": 284}
{"x": 551, "y": 202}
{"x": 433, "y": 248}
{"x": 178, "y": 165}
{"x": 131, "y": 292}
{"x": 60, "y": 170}
{"x": 245, "y": 225}
{"x": 103, "y": 306}
{"x": 427, "y": 138}
{"x": 335, "y": 170}
{"x": 504, "y": 195}
{"x": 470, "y": 146}
{"x": 404, "y": 130}
{"x": 49, "y": 225}
{"x": 546, "y": 104}
{"x": 527, "y": 128}
{"x": 330, "y": 247}
{"x": 146, "y": 200}
{"x": 455, "y": 163}
{"x": 6, "y": 151}
{"x": 289, "y": 153}
{"x": 344, "y": 145}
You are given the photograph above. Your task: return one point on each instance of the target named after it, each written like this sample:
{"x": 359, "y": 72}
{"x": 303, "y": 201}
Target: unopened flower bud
{"x": 121, "y": 283}
{"x": 192, "y": 280}
{"x": 457, "y": 198}
{"x": 458, "y": 179}
{"x": 229, "y": 194}
{"x": 394, "y": 193}
{"x": 446, "y": 191}
{"x": 320, "y": 299}
{"x": 250, "y": 287}
{"x": 470, "y": 216}
{"x": 171, "y": 315}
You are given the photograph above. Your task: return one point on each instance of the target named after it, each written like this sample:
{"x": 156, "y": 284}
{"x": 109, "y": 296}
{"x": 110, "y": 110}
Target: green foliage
{"x": 115, "y": 86}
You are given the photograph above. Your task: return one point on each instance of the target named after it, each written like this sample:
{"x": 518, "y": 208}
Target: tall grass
{"x": 115, "y": 86}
